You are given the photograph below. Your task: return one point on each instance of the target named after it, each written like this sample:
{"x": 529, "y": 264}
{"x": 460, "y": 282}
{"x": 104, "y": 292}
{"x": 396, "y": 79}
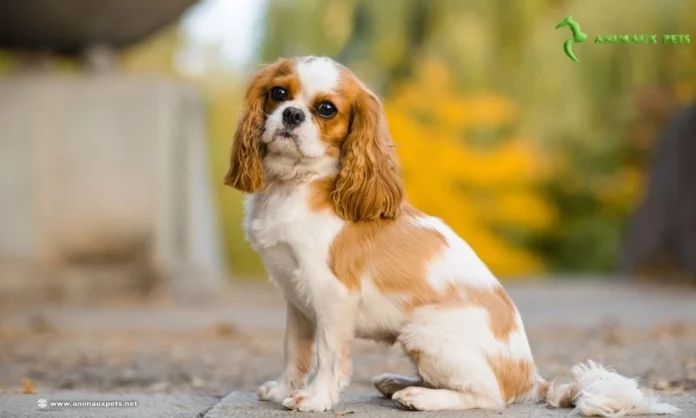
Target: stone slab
{"x": 242, "y": 404}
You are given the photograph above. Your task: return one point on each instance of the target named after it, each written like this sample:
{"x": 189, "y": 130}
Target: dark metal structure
{"x": 68, "y": 27}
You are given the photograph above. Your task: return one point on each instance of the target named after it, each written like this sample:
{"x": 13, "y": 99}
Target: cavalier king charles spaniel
{"x": 327, "y": 215}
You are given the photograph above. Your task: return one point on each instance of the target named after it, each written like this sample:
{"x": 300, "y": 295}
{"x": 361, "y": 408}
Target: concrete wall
{"x": 105, "y": 173}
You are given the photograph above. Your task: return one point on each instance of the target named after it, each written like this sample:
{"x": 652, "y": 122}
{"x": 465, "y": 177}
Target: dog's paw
{"x": 307, "y": 401}
{"x": 388, "y": 384}
{"x": 273, "y": 391}
{"x": 414, "y": 398}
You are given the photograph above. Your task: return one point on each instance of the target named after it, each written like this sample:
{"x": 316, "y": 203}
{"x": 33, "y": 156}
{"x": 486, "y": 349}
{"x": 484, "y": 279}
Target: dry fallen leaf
{"x": 159, "y": 387}
{"x": 40, "y": 324}
{"x": 227, "y": 330}
{"x": 669, "y": 331}
{"x": 689, "y": 384}
{"x": 661, "y": 384}
{"x": 197, "y": 382}
{"x": 28, "y": 387}
{"x": 671, "y": 387}
{"x": 342, "y": 413}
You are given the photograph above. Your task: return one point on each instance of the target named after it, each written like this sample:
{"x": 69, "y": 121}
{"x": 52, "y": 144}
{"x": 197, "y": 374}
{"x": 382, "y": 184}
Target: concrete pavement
{"x": 667, "y": 355}
{"x": 244, "y": 404}
{"x": 238, "y": 404}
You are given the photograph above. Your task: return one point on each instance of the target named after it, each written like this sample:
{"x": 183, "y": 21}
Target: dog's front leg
{"x": 299, "y": 357}
{"x": 335, "y": 318}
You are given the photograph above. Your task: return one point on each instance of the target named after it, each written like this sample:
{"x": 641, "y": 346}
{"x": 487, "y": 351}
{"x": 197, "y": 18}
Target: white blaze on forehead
{"x": 317, "y": 75}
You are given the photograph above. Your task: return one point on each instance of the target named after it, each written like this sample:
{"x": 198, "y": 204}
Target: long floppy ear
{"x": 369, "y": 186}
{"x": 246, "y": 159}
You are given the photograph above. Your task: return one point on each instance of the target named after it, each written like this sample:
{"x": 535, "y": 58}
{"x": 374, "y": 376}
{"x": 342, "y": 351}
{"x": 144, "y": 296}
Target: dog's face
{"x": 309, "y": 117}
{"x": 307, "y": 108}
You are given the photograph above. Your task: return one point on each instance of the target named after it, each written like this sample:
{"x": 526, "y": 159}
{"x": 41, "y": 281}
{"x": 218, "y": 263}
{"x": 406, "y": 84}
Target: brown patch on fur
{"x": 333, "y": 151}
{"x": 395, "y": 253}
{"x": 305, "y": 356}
{"x": 568, "y": 401}
{"x": 543, "y": 390}
{"x": 346, "y": 363}
{"x": 320, "y": 194}
{"x": 515, "y": 376}
{"x": 451, "y": 296}
{"x": 415, "y": 356}
{"x": 334, "y": 129}
{"x": 561, "y": 396}
{"x": 501, "y": 310}
{"x": 299, "y": 344}
{"x": 297, "y": 398}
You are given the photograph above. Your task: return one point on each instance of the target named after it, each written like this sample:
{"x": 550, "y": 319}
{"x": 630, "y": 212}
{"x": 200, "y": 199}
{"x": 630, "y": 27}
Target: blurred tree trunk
{"x": 420, "y": 27}
{"x": 356, "y": 46}
{"x": 661, "y": 236}
{"x": 419, "y": 15}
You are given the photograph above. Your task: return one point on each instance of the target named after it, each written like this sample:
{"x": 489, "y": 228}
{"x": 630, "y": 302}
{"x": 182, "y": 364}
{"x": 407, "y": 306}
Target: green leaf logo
{"x": 578, "y": 36}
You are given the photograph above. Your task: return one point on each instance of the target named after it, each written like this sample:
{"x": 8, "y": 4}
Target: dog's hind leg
{"x": 451, "y": 383}
{"x": 457, "y": 357}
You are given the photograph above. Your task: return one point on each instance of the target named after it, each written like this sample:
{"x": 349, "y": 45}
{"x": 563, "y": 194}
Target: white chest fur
{"x": 292, "y": 240}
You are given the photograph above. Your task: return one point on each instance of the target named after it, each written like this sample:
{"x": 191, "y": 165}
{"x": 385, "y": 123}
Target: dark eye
{"x": 279, "y": 94}
{"x": 326, "y": 109}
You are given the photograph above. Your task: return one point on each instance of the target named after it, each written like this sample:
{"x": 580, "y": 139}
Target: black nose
{"x": 292, "y": 117}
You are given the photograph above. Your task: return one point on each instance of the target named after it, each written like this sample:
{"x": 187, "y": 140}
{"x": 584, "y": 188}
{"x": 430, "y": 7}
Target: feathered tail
{"x": 601, "y": 392}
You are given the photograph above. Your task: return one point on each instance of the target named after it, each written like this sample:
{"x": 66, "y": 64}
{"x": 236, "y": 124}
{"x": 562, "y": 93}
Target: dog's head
{"x": 310, "y": 116}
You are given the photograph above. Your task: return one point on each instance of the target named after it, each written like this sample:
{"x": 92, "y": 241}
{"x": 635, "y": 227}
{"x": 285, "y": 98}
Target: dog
{"x": 326, "y": 213}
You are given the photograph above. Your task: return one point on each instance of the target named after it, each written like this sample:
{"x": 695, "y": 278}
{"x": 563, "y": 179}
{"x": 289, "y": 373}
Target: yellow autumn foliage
{"x": 476, "y": 190}
{"x": 621, "y": 191}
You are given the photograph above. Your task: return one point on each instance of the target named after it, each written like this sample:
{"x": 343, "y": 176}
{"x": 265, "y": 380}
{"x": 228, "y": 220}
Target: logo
{"x": 647, "y": 38}
{"x": 42, "y": 403}
{"x": 578, "y": 36}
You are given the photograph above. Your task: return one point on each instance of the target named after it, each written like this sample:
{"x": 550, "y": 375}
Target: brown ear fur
{"x": 246, "y": 159}
{"x": 369, "y": 186}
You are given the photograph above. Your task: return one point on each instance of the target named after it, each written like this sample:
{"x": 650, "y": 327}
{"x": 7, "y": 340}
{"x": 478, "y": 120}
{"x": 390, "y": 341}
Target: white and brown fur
{"x": 326, "y": 213}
